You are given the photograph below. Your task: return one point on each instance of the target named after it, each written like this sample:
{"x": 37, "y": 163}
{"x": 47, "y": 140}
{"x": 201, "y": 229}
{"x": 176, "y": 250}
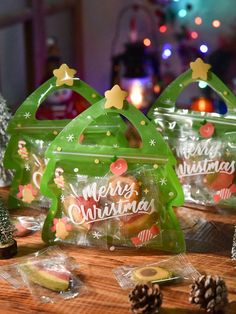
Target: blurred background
{"x": 142, "y": 45}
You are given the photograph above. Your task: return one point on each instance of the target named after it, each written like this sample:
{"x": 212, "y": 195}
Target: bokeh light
{"x": 203, "y": 48}
{"x": 216, "y": 23}
{"x": 147, "y": 42}
{"x": 182, "y": 13}
{"x": 194, "y": 35}
{"x": 198, "y": 20}
{"x": 162, "y": 28}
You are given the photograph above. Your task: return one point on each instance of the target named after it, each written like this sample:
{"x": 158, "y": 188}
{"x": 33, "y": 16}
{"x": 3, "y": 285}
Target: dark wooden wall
{"x": 33, "y": 17}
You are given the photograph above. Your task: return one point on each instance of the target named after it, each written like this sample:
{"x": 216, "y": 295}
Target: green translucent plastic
{"x": 38, "y": 134}
{"x": 152, "y": 165}
{"x": 210, "y": 185}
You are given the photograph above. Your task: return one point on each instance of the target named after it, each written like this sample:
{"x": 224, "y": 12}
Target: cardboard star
{"x": 200, "y": 69}
{"x": 64, "y": 75}
{"x": 115, "y": 97}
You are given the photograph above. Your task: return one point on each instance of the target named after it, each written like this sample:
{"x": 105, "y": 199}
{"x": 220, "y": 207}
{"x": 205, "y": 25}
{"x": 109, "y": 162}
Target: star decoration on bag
{"x": 199, "y": 69}
{"x": 115, "y": 97}
{"x": 64, "y": 75}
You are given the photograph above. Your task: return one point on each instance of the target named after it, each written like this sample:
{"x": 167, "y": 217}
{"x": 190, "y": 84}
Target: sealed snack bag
{"x": 174, "y": 269}
{"x": 49, "y": 274}
{"x": 204, "y": 143}
{"x": 30, "y": 137}
{"x": 111, "y": 195}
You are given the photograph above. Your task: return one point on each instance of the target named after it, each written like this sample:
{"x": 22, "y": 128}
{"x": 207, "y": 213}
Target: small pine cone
{"x": 209, "y": 292}
{"x": 146, "y": 299}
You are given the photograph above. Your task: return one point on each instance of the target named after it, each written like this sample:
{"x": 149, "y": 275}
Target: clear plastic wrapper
{"x": 108, "y": 194}
{"x": 111, "y": 212}
{"x": 204, "y": 143}
{"x": 49, "y": 274}
{"x": 26, "y": 225}
{"x": 30, "y": 138}
{"x": 176, "y": 268}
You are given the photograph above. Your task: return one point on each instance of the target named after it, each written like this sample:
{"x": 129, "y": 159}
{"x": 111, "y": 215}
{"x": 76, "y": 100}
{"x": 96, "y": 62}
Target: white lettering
{"x": 78, "y": 215}
{"x": 204, "y": 167}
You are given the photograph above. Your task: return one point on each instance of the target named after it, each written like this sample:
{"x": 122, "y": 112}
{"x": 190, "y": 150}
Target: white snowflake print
{"x": 89, "y": 117}
{"x": 115, "y": 146}
{"x": 163, "y": 181}
{"x": 168, "y": 101}
{"x": 62, "y": 198}
{"x": 146, "y": 191}
{"x": 27, "y": 167}
{"x": 152, "y": 142}
{"x": 27, "y": 115}
{"x": 70, "y": 137}
{"x": 96, "y": 235}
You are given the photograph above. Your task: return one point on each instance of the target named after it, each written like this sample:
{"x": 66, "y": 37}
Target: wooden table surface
{"x": 208, "y": 250}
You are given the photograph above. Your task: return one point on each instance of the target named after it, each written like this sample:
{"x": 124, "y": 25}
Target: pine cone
{"x": 146, "y": 299}
{"x": 209, "y": 292}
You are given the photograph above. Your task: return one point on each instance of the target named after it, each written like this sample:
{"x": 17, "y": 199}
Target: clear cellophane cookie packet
{"x": 167, "y": 271}
{"x": 30, "y": 137}
{"x": 49, "y": 274}
{"x": 110, "y": 195}
{"x": 204, "y": 143}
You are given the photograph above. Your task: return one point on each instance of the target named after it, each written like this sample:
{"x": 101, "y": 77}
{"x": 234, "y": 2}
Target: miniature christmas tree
{"x": 8, "y": 246}
{"x": 5, "y": 175}
{"x": 233, "y": 252}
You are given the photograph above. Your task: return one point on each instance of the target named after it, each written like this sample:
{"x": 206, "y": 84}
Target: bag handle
{"x": 199, "y": 72}
{"x": 153, "y": 145}
{"x": 63, "y": 78}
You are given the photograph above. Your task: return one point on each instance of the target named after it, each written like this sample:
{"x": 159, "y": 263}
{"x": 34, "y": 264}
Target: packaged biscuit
{"x": 111, "y": 195}
{"x": 30, "y": 137}
{"x": 204, "y": 143}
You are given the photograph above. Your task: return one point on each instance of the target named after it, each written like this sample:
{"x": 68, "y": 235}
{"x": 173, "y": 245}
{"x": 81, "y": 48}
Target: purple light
{"x": 166, "y": 53}
{"x": 203, "y": 48}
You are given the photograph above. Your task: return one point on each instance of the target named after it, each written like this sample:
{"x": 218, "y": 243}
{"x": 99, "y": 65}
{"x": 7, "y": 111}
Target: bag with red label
{"x": 111, "y": 195}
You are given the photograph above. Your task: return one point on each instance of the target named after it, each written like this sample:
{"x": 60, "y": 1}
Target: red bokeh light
{"x": 162, "y": 28}
{"x": 194, "y": 35}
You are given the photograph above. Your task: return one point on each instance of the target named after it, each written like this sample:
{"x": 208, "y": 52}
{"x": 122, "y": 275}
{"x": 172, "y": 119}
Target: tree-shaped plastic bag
{"x": 204, "y": 143}
{"x": 112, "y": 195}
{"x": 30, "y": 137}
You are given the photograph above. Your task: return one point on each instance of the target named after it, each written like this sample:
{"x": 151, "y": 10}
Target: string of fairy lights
{"x": 167, "y": 12}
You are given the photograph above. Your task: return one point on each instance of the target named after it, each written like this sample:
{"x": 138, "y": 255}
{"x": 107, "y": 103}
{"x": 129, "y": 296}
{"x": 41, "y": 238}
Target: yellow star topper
{"x": 115, "y": 97}
{"x": 200, "y": 69}
{"x": 64, "y": 75}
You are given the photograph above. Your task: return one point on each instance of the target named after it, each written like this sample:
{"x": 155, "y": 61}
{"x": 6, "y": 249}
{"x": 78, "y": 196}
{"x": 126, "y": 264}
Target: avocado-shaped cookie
{"x": 53, "y": 280}
{"x": 150, "y": 273}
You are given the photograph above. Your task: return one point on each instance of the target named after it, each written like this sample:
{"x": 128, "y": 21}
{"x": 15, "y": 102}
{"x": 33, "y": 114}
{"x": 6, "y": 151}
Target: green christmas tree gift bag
{"x": 30, "y": 137}
{"x": 204, "y": 143}
{"x": 111, "y": 195}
